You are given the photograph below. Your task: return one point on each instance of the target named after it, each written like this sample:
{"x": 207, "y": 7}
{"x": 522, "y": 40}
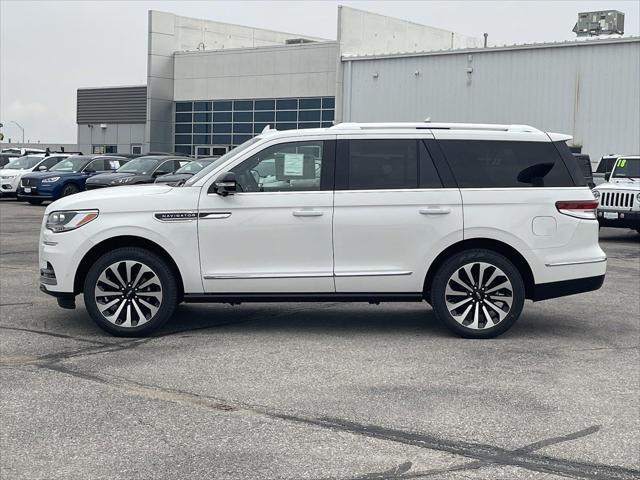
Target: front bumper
{"x": 9, "y": 186}
{"x": 618, "y": 218}
{"x": 36, "y": 193}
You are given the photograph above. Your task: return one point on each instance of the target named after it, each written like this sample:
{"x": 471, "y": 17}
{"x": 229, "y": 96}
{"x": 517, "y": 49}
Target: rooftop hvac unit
{"x": 605, "y": 22}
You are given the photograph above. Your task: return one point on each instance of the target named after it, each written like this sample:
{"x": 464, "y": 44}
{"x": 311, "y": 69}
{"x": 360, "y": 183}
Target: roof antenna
{"x": 427, "y": 120}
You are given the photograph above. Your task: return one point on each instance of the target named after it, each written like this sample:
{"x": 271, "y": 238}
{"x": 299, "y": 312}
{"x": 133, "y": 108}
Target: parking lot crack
{"x": 484, "y": 454}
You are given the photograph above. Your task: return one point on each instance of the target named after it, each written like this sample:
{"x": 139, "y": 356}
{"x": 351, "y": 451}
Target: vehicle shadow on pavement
{"x": 320, "y": 318}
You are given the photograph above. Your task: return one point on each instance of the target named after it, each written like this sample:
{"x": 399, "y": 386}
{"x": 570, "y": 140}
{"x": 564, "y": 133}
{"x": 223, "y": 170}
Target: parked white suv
{"x": 474, "y": 219}
{"x": 17, "y": 168}
{"x": 619, "y": 198}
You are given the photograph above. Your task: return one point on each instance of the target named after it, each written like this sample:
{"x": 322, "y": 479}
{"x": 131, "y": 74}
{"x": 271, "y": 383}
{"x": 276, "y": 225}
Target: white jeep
{"x": 619, "y": 198}
{"x": 473, "y": 219}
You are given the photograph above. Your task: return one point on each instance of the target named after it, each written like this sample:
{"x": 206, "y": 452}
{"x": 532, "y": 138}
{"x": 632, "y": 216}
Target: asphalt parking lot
{"x": 318, "y": 391}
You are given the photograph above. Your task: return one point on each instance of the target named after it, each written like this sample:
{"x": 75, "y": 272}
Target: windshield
{"x": 627, "y": 168}
{"x": 140, "y": 165}
{"x": 216, "y": 163}
{"x": 69, "y": 165}
{"x": 22, "y": 163}
{"x": 194, "y": 167}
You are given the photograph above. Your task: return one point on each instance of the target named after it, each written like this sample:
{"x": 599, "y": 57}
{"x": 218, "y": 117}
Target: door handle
{"x": 307, "y": 213}
{"x": 214, "y": 215}
{"x": 434, "y": 210}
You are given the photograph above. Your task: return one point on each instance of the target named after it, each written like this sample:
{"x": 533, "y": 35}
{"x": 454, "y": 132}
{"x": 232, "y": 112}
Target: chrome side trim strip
{"x": 377, "y": 273}
{"x": 245, "y": 276}
{"x": 579, "y": 262}
{"x": 214, "y": 215}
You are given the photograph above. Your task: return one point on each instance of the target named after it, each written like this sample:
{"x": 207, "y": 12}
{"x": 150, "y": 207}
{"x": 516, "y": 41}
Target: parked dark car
{"x": 584, "y": 162}
{"x": 186, "y": 172}
{"x": 604, "y": 168}
{"x": 66, "y": 177}
{"x": 139, "y": 170}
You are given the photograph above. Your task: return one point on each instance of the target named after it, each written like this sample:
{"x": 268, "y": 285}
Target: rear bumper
{"x": 545, "y": 291}
{"x": 624, "y": 219}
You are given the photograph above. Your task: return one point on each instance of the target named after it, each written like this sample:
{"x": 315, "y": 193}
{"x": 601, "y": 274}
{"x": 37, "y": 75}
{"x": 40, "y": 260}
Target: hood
{"x": 43, "y": 175}
{"x": 108, "y": 178}
{"x": 108, "y": 199}
{"x": 173, "y": 177}
{"x": 620, "y": 184}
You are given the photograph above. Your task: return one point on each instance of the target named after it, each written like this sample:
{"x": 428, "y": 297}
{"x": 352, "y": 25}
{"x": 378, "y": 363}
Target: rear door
{"x": 395, "y": 209}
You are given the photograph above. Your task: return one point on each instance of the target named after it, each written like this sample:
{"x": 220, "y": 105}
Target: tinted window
{"x": 95, "y": 166}
{"x": 166, "y": 167}
{"x": 606, "y": 165}
{"x": 500, "y": 164}
{"x": 428, "y": 174}
{"x": 382, "y": 164}
{"x": 50, "y": 162}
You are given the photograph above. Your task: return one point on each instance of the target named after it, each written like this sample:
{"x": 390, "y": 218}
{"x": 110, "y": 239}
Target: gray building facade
{"x": 111, "y": 120}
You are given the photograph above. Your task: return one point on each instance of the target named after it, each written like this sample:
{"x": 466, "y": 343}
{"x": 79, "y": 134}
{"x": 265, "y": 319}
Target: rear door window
{"x": 381, "y": 164}
{"x": 506, "y": 164}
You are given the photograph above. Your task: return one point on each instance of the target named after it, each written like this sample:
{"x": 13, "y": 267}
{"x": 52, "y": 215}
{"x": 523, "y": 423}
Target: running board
{"x": 301, "y": 297}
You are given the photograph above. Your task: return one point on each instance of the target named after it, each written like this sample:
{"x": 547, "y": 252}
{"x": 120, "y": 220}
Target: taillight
{"x": 585, "y": 209}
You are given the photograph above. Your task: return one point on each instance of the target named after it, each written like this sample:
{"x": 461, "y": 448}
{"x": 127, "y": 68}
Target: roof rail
{"x": 434, "y": 126}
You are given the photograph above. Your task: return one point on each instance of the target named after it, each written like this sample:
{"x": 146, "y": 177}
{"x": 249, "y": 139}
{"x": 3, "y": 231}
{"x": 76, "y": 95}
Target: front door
{"x": 394, "y": 211}
{"x": 274, "y": 235}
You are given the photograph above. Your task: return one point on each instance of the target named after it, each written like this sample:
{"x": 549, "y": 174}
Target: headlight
{"x": 50, "y": 179}
{"x": 8, "y": 177}
{"x": 69, "y": 220}
{"x": 596, "y": 194}
{"x": 638, "y": 197}
{"x": 124, "y": 180}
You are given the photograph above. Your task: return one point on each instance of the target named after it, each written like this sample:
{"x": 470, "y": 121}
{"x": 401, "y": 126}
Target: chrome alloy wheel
{"x": 479, "y": 295}
{"x": 128, "y": 293}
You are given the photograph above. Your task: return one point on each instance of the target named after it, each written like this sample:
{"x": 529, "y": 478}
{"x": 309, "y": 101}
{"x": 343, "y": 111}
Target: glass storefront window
{"x": 231, "y": 122}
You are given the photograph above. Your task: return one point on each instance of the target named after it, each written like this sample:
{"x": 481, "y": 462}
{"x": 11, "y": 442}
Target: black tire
{"x": 69, "y": 189}
{"x": 35, "y": 202}
{"x": 478, "y": 299}
{"x": 166, "y": 281}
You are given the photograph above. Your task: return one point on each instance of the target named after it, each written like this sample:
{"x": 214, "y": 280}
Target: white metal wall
{"x": 590, "y": 90}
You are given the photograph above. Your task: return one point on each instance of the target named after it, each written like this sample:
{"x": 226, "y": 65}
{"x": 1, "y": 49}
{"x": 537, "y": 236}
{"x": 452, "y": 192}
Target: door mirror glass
{"x": 607, "y": 176}
{"x": 226, "y": 184}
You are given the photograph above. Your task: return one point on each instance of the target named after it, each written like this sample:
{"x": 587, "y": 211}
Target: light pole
{"x": 20, "y": 127}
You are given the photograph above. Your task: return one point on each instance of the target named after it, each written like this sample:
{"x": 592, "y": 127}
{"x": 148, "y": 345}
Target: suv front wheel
{"x": 130, "y": 292}
{"x": 478, "y": 294}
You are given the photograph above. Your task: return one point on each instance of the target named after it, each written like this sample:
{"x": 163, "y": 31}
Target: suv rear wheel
{"x": 478, "y": 294}
{"x": 130, "y": 292}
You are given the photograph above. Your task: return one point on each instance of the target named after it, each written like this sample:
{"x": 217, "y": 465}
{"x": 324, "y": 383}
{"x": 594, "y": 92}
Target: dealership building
{"x": 212, "y": 85}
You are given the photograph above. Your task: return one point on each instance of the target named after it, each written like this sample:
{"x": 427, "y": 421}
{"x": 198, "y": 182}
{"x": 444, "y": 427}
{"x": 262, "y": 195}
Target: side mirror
{"x": 42, "y": 168}
{"x": 607, "y": 176}
{"x": 226, "y": 184}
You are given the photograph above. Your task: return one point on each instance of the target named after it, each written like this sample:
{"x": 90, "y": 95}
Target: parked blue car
{"x": 66, "y": 177}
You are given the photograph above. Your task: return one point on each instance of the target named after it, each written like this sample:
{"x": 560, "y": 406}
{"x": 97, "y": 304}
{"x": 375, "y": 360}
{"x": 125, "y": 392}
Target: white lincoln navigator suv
{"x": 472, "y": 219}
